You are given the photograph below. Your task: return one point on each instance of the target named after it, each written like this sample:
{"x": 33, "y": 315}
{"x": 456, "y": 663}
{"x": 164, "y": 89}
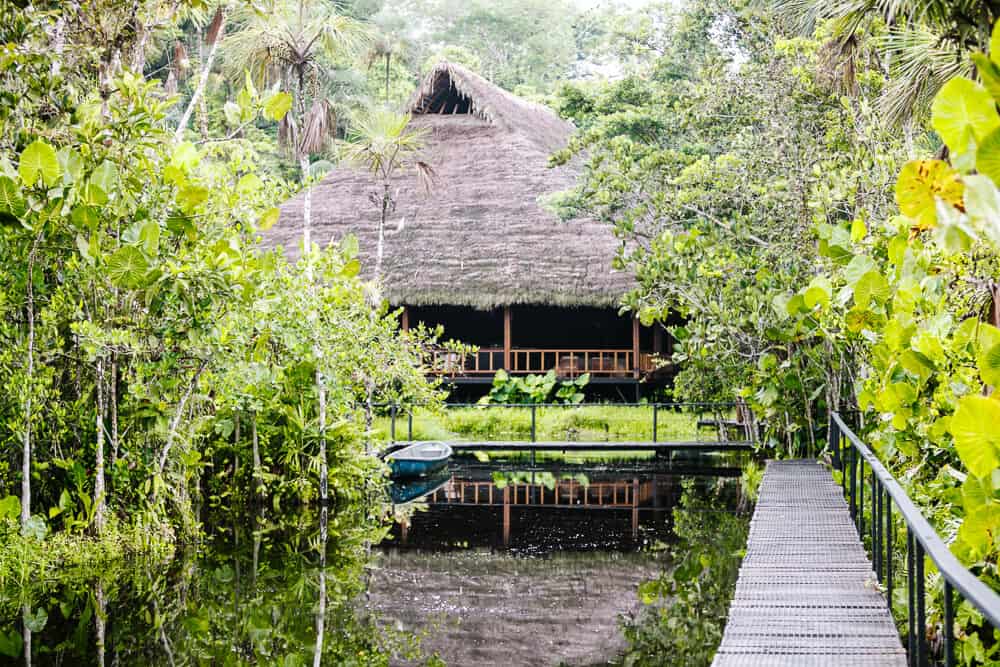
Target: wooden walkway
{"x": 806, "y": 594}
{"x": 576, "y": 446}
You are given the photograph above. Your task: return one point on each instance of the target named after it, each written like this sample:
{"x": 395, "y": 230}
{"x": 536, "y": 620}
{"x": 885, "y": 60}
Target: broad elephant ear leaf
{"x": 127, "y": 267}
{"x": 39, "y": 159}
{"x": 974, "y": 428}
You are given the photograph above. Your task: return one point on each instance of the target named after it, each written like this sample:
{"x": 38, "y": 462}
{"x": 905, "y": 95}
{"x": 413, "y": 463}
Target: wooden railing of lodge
{"x": 525, "y": 361}
{"x": 570, "y": 493}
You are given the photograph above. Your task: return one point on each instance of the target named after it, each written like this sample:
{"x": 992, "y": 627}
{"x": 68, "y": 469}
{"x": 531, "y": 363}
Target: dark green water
{"x": 487, "y": 564}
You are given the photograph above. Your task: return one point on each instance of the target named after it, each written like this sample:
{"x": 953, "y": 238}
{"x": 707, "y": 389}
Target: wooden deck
{"x": 806, "y": 593}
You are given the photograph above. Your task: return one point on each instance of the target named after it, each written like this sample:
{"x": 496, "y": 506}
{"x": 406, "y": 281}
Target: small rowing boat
{"x": 418, "y": 459}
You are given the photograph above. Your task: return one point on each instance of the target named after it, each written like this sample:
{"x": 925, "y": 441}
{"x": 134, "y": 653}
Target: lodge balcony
{"x": 530, "y": 340}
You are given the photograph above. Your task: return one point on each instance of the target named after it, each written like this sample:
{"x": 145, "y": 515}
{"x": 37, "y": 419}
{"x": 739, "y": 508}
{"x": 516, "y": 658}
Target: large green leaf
{"x": 977, "y": 438}
{"x": 963, "y": 112}
{"x": 127, "y": 267}
{"x": 277, "y": 105}
{"x": 12, "y": 206}
{"x": 871, "y": 287}
{"x": 10, "y": 507}
{"x": 39, "y": 159}
{"x": 989, "y": 366}
{"x": 105, "y": 176}
{"x": 11, "y": 643}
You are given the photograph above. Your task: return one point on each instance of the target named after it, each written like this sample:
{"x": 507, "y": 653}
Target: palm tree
{"x": 295, "y": 46}
{"x": 928, "y": 42}
{"x": 382, "y": 143}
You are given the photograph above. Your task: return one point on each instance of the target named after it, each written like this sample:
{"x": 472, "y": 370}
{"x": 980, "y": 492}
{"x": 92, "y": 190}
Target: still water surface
{"x": 485, "y": 564}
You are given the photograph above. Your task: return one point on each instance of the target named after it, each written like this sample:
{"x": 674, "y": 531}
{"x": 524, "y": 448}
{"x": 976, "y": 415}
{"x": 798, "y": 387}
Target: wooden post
{"x": 635, "y": 347}
{"x": 405, "y": 319}
{"x": 506, "y": 338}
{"x": 657, "y": 339}
{"x": 635, "y": 508}
{"x": 506, "y": 515}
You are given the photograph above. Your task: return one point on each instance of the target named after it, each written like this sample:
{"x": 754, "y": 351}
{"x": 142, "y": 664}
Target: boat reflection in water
{"x": 506, "y": 563}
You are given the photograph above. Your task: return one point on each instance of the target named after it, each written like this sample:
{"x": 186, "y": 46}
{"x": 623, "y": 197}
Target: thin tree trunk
{"x": 199, "y": 90}
{"x": 26, "y": 635}
{"x": 99, "y": 493}
{"x": 324, "y": 473}
{"x": 236, "y": 446}
{"x": 257, "y": 482}
{"x": 306, "y": 205}
{"x": 100, "y": 624}
{"x": 113, "y": 410}
{"x": 26, "y": 444}
{"x": 321, "y": 609}
{"x": 176, "y": 421}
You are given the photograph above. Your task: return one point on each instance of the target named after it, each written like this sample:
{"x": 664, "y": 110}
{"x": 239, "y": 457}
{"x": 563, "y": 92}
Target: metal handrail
{"x": 922, "y": 540}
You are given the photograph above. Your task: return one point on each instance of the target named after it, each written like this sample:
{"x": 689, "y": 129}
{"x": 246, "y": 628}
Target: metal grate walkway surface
{"x": 806, "y": 594}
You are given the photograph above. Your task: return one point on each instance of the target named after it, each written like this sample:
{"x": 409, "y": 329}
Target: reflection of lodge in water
{"x": 610, "y": 511}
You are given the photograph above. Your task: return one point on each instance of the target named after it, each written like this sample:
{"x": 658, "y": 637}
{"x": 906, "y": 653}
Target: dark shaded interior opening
{"x": 537, "y": 327}
{"x": 445, "y": 99}
{"x": 468, "y": 325}
{"x": 584, "y": 327}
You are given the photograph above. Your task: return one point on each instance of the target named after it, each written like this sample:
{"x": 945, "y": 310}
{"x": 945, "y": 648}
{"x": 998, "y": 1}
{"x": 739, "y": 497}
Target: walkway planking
{"x": 806, "y": 594}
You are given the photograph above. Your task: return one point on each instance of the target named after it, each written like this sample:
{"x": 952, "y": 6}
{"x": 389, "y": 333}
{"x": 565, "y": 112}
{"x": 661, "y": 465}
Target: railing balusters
{"x": 888, "y": 548}
{"x": 949, "y": 625}
{"x": 911, "y": 641}
{"x": 921, "y": 605}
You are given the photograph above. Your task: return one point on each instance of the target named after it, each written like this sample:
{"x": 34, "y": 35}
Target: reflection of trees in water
{"x": 260, "y": 592}
{"x": 685, "y": 608}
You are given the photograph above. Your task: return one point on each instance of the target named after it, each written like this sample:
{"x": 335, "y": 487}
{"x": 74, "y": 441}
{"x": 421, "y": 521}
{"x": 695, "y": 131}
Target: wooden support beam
{"x": 635, "y": 347}
{"x": 506, "y": 338}
{"x": 405, "y": 319}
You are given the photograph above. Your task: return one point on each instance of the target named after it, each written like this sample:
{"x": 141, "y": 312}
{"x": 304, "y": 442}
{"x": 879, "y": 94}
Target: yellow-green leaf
{"x": 277, "y": 105}
{"x": 977, "y": 438}
{"x": 39, "y": 159}
{"x": 268, "y": 218}
{"x": 988, "y": 362}
{"x": 963, "y": 111}
{"x": 920, "y": 182}
{"x": 871, "y": 287}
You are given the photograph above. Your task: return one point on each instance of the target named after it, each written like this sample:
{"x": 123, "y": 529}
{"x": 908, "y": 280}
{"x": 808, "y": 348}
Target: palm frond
{"x": 922, "y": 62}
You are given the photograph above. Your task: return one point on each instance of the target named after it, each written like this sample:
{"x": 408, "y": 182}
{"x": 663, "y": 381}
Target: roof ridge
{"x": 537, "y": 122}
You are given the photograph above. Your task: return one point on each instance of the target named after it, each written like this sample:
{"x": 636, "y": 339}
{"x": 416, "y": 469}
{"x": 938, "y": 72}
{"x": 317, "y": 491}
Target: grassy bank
{"x": 590, "y": 423}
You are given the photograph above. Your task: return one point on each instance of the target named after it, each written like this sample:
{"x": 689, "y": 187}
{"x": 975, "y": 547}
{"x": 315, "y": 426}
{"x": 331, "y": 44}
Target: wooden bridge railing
{"x": 525, "y": 361}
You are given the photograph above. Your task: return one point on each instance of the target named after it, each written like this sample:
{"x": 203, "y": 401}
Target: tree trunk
{"x": 30, "y": 388}
{"x": 199, "y": 90}
{"x": 306, "y": 205}
{"x": 99, "y": 493}
{"x": 258, "y": 483}
{"x": 176, "y": 421}
{"x": 324, "y": 473}
{"x": 321, "y": 608}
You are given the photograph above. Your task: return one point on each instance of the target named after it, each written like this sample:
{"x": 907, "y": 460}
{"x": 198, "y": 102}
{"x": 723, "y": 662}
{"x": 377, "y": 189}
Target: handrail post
{"x": 655, "y": 408}
{"x": 533, "y": 423}
{"x": 949, "y": 625}
{"x": 392, "y": 423}
{"x": 409, "y": 424}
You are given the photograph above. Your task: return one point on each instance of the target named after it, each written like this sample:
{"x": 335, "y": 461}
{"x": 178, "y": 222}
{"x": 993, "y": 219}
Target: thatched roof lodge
{"x": 479, "y": 252}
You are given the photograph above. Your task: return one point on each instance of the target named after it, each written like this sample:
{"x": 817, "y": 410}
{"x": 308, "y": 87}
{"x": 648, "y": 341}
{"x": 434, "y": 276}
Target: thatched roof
{"x": 479, "y": 237}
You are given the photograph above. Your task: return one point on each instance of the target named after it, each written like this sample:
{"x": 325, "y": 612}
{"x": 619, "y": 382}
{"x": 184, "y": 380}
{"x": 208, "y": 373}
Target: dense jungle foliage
{"x": 811, "y": 186}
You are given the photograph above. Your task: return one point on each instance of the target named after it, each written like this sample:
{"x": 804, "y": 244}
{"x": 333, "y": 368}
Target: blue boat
{"x": 404, "y": 491}
{"x": 419, "y": 459}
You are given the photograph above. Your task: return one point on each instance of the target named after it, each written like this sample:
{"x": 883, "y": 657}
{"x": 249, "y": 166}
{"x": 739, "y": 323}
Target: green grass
{"x": 589, "y": 423}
